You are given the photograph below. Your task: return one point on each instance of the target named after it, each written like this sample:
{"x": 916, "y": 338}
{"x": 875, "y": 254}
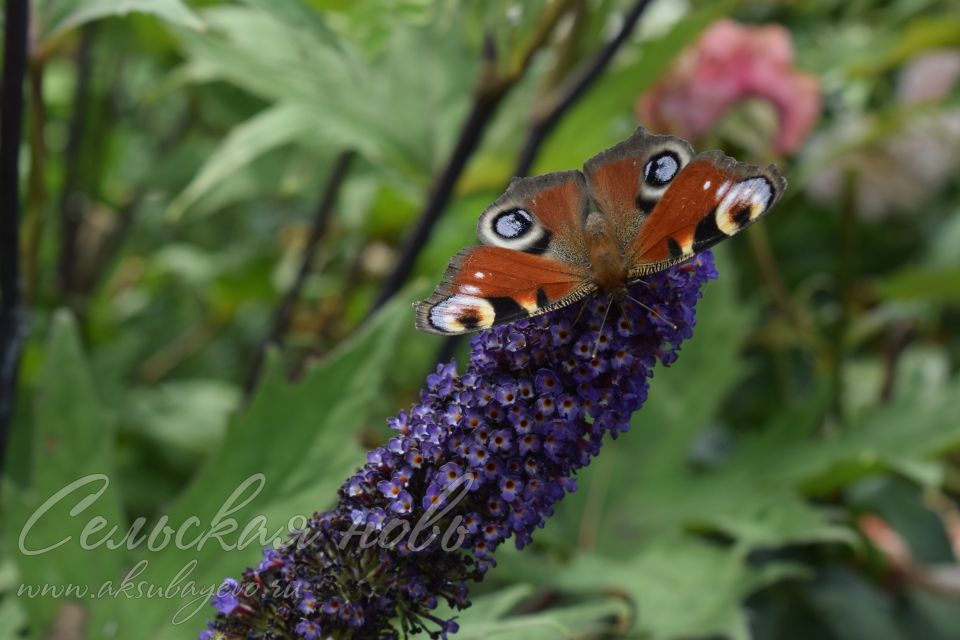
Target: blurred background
{"x": 228, "y": 207}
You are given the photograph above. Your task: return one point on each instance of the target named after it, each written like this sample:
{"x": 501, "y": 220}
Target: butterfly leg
{"x": 583, "y": 305}
{"x": 652, "y": 311}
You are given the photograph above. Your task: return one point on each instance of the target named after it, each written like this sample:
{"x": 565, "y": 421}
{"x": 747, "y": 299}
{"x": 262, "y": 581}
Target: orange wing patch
{"x": 669, "y": 231}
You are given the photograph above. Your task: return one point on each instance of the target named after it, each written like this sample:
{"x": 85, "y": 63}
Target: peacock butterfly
{"x": 638, "y": 207}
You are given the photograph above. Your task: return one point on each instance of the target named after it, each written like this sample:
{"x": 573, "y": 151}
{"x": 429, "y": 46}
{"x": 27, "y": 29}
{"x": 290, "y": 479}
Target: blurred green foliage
{"x": 177, "y": 157}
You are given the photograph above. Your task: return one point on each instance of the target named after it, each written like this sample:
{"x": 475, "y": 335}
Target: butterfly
{"x": 637, "y": 208}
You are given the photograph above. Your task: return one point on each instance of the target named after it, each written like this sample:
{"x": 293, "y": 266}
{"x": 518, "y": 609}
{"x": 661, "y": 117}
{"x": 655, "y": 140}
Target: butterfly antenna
{"x": 596, "y": 345}
{"x": 652, "y": 312}
{"x": 580, "y": 313}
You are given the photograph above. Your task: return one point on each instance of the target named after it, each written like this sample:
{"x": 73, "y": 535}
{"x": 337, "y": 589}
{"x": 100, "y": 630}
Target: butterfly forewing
{"x": 712, "y": 198}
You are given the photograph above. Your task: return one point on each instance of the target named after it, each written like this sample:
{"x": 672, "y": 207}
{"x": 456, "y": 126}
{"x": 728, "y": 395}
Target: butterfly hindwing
{"x": 710, "y": 199}
{"x": 486, "y": 286}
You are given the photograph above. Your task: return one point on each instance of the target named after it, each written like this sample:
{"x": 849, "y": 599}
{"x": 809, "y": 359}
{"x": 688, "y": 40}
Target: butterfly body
{"x": 609, "y": 271}
{"x": 637, "y": 208}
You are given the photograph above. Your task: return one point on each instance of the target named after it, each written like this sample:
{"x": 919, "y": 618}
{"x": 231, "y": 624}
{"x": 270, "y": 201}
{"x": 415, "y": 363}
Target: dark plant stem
{"x": 281, "y": 316}
{"x": 899, "y": 337}
{"x": 845, "y": 281}
{"x": 12, "y": 314}
{"x": 572, "y": 89}
{"x": 36, "y": 196}
{"x": 71, "y": 202}
{"x": 769, "y": 271}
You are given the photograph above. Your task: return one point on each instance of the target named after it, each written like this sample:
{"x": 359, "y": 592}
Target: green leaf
{"x": 72, "y": 488}
{"x": 929, "y": 284}
{"x": 278, "y": 125}
{"x": 854, "y": 609}
{"x": 490, "y": 617}
{"x": 293, "y": 446}
{"x": 13, "y": 619}
{"x": 919, "y": 36}
{"x": 579, "y": 620}
{"x": 184, "y": 416}
{"x": 680, "y": 587}
{"x": 297, "y": 14}
{"x": 340, "y": 93}
{"x": 268, "y": 57}
{"x": 58, "y": 16}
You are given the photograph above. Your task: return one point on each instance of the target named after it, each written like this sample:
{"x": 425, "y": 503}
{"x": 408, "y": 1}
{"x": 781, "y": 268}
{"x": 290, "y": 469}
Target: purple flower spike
{"x": 482, "y": 458}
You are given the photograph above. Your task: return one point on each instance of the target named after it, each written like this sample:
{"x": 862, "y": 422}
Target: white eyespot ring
{"x": 513, "y": 228}
{"x": 661, "y": 169}
{"x": 512, "y": 224}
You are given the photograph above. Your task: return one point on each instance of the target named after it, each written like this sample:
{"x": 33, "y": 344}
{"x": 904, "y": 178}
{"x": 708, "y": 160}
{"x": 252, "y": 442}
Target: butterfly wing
{"x": 486, "y": 286}
{"x": 627, "y": 180}
{"x": 711, "y": 198}
{"x": 542, "y": 215}
{"x": 534, "y": 259}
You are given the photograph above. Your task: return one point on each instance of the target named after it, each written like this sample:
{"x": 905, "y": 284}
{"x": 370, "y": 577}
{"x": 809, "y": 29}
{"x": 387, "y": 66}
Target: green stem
{"x": 846, "y": 271}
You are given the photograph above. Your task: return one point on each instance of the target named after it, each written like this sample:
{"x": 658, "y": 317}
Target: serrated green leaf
{"x": 72, "y": 486}
{"x": 275, "y": 126}
{"x": 342, "y": 93}
{"x": 58, "y": 16}
{"x": 490, "y": 617}
{"x": 297, "y": 14}
{"x": 680, "y": 587}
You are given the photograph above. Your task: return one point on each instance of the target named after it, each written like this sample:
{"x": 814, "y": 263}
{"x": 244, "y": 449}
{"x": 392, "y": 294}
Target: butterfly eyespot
{"x": 661, "y": 169}
{"x": 513, "y": 224}
{"x": 461, "y": 313}
{"x": 513, "y": 227}
{"x": 743, "y": 203}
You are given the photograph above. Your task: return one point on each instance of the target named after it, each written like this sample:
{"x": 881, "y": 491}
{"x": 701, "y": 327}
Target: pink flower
{"x": 731, "y": 63}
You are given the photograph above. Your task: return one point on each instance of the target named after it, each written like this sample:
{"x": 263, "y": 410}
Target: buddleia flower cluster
{"x": 483, "y": 458}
